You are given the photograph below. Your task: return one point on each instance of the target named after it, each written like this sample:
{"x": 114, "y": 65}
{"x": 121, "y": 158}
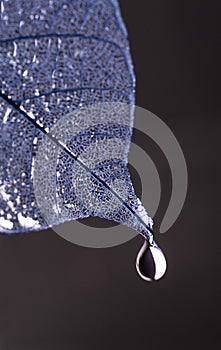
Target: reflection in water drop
{"x": 151, "y": 263}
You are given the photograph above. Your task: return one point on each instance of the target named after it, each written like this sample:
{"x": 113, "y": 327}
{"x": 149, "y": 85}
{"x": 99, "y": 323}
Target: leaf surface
{"x": 66, "y": 115}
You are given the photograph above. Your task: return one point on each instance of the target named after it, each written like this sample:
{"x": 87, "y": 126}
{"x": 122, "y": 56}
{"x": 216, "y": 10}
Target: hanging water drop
{"x": 151, "y": 263}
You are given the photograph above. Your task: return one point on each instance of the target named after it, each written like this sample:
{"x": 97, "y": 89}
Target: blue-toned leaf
{"x": 66, "y": 115}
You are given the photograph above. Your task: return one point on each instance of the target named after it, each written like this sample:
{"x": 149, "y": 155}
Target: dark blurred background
{"x": 55, "y": 295}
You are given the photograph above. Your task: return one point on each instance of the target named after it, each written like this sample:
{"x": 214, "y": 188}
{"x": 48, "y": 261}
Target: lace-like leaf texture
{"x": 66, "y": 115}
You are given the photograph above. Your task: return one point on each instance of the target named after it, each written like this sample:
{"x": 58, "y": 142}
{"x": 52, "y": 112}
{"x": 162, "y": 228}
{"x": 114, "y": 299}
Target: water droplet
{"x": 151, "y": 263}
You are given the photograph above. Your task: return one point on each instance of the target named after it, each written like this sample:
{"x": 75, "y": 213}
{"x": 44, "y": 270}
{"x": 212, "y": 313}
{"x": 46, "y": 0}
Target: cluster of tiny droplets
{"x": 56, "y": 57}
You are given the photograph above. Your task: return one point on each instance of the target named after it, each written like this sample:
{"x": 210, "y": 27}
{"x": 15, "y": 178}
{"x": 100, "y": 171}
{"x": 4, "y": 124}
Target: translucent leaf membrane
{"x": 66, "y": 115}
